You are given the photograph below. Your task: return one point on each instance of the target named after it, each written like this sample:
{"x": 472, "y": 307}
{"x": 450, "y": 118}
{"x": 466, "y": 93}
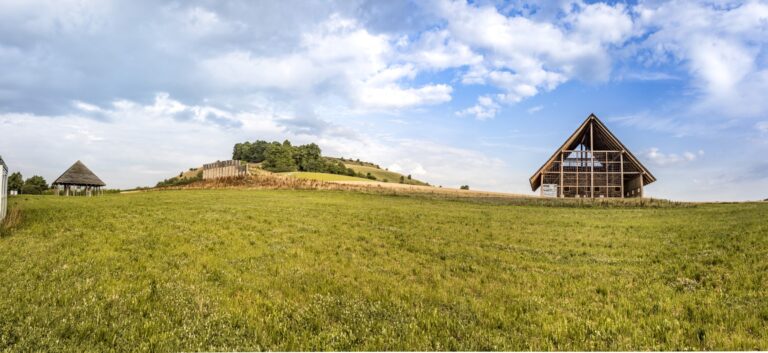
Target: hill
{"x": 384, "y": 175}
{"x": 355, "y": 172}
{"x": 282, "y": 157}
{"x": 219, "y": 270}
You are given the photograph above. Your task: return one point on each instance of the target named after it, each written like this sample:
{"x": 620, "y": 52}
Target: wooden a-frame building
{"x": 592, "y": 163}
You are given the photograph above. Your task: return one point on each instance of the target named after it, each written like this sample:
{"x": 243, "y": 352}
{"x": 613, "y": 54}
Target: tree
{"x": 34, "y": 185}
{"x": 308, "y": 158}
{"x": 279, "y": 158}
{"x": 402, "y": 179}
{"x": 409, "y": 177}
{"x": 253, "y": 152}
{"x": 15, "y": 182}
{"x": 464, "y": 187}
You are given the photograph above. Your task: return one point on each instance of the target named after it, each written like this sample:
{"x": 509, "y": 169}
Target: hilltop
{"x": 304, "y": 162}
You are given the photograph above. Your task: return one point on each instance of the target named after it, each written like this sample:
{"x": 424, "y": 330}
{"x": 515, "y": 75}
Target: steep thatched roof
{"x": 79, "y": 174}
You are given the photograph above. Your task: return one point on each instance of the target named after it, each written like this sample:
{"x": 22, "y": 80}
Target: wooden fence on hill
{"x": 224, "y": 169}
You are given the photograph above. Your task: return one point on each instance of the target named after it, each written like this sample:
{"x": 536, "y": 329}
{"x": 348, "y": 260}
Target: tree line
{"x": 284, "y": 157}
{"x": 35, "y": 185}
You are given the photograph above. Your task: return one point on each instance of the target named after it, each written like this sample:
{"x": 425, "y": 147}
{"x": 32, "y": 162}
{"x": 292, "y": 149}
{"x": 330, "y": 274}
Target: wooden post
{"x": 561, "y": 175}
{"x": 607, "y": 177}
{"x": 541, "y": 187}
{"x": 578, "y": 171}
{"x": 641, "y": 184}
{"x": 592, "y": 162}
{"x": 621, "y": 158}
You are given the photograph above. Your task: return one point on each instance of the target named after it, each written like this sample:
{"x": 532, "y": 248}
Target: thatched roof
{"x": 79, "y": 174}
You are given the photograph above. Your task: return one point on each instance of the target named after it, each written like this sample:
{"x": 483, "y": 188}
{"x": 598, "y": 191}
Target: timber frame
{"x": 592, "y": 163}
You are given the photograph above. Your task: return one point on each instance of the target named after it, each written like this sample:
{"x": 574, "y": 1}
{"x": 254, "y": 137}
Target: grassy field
{"x": 219, "y": 270}
{"x": 324, "y": 176}
{"x": 382, "y": 175}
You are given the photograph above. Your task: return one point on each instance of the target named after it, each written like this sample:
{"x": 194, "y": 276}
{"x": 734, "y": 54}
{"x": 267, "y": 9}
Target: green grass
{"x": 324, "y": 176}
{"x": 382, "y": 174}
{"x": 218, "y": 270}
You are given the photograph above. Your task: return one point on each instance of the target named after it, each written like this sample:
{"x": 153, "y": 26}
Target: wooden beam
{"x": 592, "y": 161}
{"x": 622, "y": 173}
{"x": 561, "y": 175}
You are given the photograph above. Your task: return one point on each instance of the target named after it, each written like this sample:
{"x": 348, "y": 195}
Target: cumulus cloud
{"x": 338, "y": 57}
{"x": 485, "y": 109}
{"x": 664, "y": 159}
{"x": 437, "y": 50}
{"x": 720, "y": 46}
{"x": 524, "y": 57}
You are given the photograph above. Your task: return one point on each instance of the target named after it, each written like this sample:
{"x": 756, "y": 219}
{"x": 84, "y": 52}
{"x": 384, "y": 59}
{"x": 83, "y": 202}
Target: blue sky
{"x": 451, "y": 92}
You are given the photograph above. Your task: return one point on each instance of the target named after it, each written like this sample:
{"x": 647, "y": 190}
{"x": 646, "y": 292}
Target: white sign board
{"x": 549, "y": 190}
{"x": 3, "y": 189}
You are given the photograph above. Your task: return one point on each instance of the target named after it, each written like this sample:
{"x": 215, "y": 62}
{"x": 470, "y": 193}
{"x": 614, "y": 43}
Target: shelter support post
{"x": 621, "y": 158}
{"x": 560, "y": 190}
{"x": 591, "y": 161}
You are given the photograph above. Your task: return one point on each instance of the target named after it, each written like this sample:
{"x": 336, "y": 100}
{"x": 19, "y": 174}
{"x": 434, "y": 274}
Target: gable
{"x": 602, "y": 139}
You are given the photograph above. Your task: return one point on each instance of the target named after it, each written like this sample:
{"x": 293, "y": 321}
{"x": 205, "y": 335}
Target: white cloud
{"x": 720, "y": 46}
{"x": 601, "y": 23}
{"x": 129, "y": 144}
{"x": 392, "y": 96}
{"x": 762, "y": 126}
{"x": 664, "y": 159}
{"x": 437, "y": 50}
{"x": 339, "y": 57}
{"x": 534, "y": 109}
{"x": 132, "y": 144}
{"x": 523, "y": 56}
{"x": 485, "y": 109}
{"x": 439, "y": 164}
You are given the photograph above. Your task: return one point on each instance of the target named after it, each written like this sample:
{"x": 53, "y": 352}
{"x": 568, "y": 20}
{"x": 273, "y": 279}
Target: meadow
{"x": 382, "y": 174}
{"x": 324, "y": 176}
{"x": 216, "y": 270}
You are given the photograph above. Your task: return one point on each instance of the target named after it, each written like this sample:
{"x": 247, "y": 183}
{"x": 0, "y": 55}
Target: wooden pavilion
{"x": 78, "y": 180}
{"x": 592, "y": 163}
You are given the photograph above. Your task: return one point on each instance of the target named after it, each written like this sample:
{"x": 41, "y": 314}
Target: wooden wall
{"x": 224, "y": 169}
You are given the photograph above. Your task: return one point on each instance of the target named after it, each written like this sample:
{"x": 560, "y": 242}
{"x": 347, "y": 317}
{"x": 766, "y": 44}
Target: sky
{"x": 454, "y": 93}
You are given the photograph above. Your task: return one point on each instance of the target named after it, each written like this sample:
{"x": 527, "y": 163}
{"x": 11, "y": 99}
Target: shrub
{"x": 464, "y": 187}
{"x": 31, "y": 190}
{"x": 34, "y": 185}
